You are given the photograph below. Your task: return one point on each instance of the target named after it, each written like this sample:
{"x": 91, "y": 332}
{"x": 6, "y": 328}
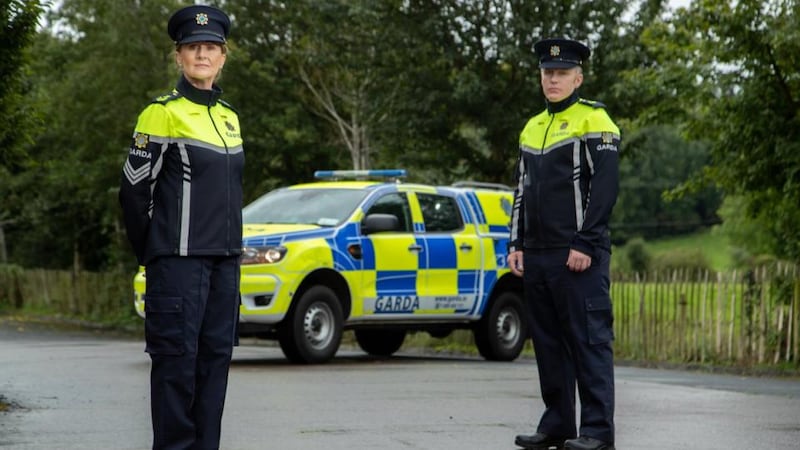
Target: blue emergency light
{"x": 380, "y": 173}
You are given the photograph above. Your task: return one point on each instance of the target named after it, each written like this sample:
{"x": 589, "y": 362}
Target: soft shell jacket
{"x": 567, "y": 178}
{"x": 181, "y": 189}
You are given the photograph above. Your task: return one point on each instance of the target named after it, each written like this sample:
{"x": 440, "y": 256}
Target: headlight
{"x": 262, "y": 255}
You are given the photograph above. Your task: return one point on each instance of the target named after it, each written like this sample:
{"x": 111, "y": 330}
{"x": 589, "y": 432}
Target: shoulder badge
{"x": 174, "y": 95}
{"x": 592, "y": 103}
{"x": 228, "y": 105}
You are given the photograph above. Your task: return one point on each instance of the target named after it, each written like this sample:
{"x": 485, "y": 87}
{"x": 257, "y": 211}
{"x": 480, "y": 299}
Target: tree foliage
{"x": 663, "y": 160}
{"x": 439, "y": 87}
{"x": 727, "y": 72}
{"x": 104, "y": 63}
{"x": 19, "y": 20}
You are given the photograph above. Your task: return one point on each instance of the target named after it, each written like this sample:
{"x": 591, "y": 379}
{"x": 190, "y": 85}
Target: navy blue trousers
{"x": 192, "y": 308}
{"x": 571, "y": 328}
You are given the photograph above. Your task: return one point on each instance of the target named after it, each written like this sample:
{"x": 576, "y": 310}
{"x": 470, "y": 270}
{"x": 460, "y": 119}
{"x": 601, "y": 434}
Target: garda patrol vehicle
{"x": 380, "y": 257}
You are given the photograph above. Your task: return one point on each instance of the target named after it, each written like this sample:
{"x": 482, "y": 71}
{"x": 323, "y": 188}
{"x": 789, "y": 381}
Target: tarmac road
{"x": 81, "y": 390}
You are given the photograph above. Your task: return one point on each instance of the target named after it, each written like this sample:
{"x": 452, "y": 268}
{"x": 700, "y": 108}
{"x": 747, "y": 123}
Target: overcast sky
{"x": 678, "y": 3}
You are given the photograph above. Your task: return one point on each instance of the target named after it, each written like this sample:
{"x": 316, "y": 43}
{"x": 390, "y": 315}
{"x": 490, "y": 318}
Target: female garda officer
{"x": 181, "y": 195}
{"x": 567, "y": 183}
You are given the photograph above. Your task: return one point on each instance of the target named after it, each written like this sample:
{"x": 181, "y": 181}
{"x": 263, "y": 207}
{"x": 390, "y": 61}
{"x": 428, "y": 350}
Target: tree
{"x": 733, "y": 69}
{"x": 20, "y": 18}
{"x": 284, "y": 140}
{"x": 663, "y": 160}
{"x": 106, "y": 60}
{"x": 441, "y": 88}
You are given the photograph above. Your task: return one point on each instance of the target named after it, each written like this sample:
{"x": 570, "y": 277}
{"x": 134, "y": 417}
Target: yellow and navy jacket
{"x": 567, "y": 178}
{"x": 181, "y": 188}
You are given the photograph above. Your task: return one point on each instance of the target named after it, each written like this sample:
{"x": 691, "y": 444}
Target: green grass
{"x": 713, "y": 245}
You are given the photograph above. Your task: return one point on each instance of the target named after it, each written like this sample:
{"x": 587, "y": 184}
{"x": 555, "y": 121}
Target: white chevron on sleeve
{"x": 135, "y": 175}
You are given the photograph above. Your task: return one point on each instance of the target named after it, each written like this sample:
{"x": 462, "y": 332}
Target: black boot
{"x": 587, "y": 443}
{"x": 539, "y": 441}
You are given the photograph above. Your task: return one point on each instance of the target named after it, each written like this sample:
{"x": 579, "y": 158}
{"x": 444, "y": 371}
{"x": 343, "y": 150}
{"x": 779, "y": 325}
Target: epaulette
{"x": 167, "y": 98}
{"x": 592, "y": 103}
{"x": 228, "y": 105}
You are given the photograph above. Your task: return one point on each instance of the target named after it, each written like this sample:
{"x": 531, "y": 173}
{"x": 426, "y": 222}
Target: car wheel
{"x": 312, "y": 332}
{"x": 500, "y": 334}
{"x": 380, "y": 342}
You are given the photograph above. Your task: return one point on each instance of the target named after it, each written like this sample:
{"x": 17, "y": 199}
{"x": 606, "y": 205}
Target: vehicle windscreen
{"x": 323, "y": 207}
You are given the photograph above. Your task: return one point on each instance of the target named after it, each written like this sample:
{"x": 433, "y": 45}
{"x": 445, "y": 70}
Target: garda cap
{"x": 199, "y": 23}
{"x": 560, "y": 53}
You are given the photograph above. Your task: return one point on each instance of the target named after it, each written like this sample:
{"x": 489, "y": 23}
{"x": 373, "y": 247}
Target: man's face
{"x": 558, "y": 84}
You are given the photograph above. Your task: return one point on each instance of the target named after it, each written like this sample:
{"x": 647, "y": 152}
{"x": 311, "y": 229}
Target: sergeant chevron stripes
{"x": 135, "y": 175}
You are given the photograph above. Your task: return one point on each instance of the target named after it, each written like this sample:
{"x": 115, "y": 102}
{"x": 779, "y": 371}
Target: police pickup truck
{"x": 381, "y": 257}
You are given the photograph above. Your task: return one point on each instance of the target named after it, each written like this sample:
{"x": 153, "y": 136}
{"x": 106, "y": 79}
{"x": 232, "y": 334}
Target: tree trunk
{"x": 3, "y": 252}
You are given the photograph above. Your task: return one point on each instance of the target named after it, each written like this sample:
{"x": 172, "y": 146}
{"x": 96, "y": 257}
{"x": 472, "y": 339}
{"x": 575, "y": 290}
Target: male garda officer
{"x": 181, "y": 195}
{"x": 567, "y": 181}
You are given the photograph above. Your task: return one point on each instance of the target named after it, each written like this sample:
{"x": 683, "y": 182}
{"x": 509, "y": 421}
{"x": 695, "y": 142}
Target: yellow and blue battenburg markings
{"x": 415, "y": 273}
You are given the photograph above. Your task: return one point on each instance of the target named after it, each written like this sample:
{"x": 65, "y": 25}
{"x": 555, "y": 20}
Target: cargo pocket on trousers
{"x": 599, "y": 320}
{"x": 164, "y": 325}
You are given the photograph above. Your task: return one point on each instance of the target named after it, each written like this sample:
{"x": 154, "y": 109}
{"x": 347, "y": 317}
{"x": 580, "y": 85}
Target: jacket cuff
{"x": 582, "y": 246}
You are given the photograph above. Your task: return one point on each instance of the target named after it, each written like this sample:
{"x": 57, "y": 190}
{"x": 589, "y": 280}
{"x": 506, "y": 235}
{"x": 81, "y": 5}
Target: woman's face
{"x": 200, "y": 62}
{"x": 558, "y": 84}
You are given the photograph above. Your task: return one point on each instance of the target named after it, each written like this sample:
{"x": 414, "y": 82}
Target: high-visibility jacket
{"x": 181, "y": 188}
{"x": 567, "y": 178}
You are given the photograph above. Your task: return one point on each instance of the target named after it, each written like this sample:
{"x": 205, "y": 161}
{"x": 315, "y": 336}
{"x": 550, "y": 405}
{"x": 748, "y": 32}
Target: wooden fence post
{"x": 642, "y": 318}
{"x": 720, "y": 306}
{"x": 703, "y": 318}
{"x": 795, "y": 313}
{"x": 731, "y": 326}
{"x": 765, "y": 289}
{"x": 682, "y": 346}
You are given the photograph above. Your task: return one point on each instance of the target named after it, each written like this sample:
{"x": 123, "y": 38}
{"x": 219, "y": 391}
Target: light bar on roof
{"x": 380, "y": 173}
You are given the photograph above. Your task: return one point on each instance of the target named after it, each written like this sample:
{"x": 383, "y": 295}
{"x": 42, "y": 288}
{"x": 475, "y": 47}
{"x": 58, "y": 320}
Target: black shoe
{"x": 539, "y": 441}
{"x": 587, "y": 443}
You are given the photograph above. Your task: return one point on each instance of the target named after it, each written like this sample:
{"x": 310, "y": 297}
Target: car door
{"x": 391, "y": 262}
{"x": 450, "y": 262}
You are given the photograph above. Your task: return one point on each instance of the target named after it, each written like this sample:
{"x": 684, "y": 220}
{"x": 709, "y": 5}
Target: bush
{"x": 10, "y": 295}
{"x": 693, "y": 260}
{"x": 637, "y": 255}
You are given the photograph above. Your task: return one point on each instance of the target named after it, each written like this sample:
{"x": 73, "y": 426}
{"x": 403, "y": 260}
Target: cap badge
{"x": 201, "y": 19}
{"x": 555, "y": 50}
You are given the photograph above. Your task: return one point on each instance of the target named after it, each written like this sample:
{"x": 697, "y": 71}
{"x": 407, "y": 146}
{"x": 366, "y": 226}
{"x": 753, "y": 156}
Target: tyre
{"x": 501, "y": 333}
{"x": 312, "y": 332}
{"x": 380, "y": 342}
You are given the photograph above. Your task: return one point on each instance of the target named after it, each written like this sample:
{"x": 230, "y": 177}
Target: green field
{"x": 712, "y": 244}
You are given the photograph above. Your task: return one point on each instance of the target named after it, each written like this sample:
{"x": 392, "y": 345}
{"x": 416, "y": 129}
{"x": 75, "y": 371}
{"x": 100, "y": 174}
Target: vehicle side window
{"x": 395, "y": 204}
{"x": 441, "y": 214}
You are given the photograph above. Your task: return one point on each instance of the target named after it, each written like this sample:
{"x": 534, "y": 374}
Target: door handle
{"x": 414, "y": 248}
{"x": 465, "y": 247}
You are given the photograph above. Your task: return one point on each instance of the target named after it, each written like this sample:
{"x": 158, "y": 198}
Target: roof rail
{"x": 483, "y": 185}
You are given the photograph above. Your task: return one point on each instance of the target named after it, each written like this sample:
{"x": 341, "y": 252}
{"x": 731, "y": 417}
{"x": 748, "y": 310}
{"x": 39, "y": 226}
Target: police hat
{"x": 199, "y": 23}
{"x": 560, "y": 53}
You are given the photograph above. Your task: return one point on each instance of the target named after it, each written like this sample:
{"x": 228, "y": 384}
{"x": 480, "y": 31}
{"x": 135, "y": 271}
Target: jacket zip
{"x": 538, "y": 182}
{"x": 227, "y": 183}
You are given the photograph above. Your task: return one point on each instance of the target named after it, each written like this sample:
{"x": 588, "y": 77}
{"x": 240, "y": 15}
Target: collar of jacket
{"x": 199, "y": 96}
{"x": 557, "y": 107}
